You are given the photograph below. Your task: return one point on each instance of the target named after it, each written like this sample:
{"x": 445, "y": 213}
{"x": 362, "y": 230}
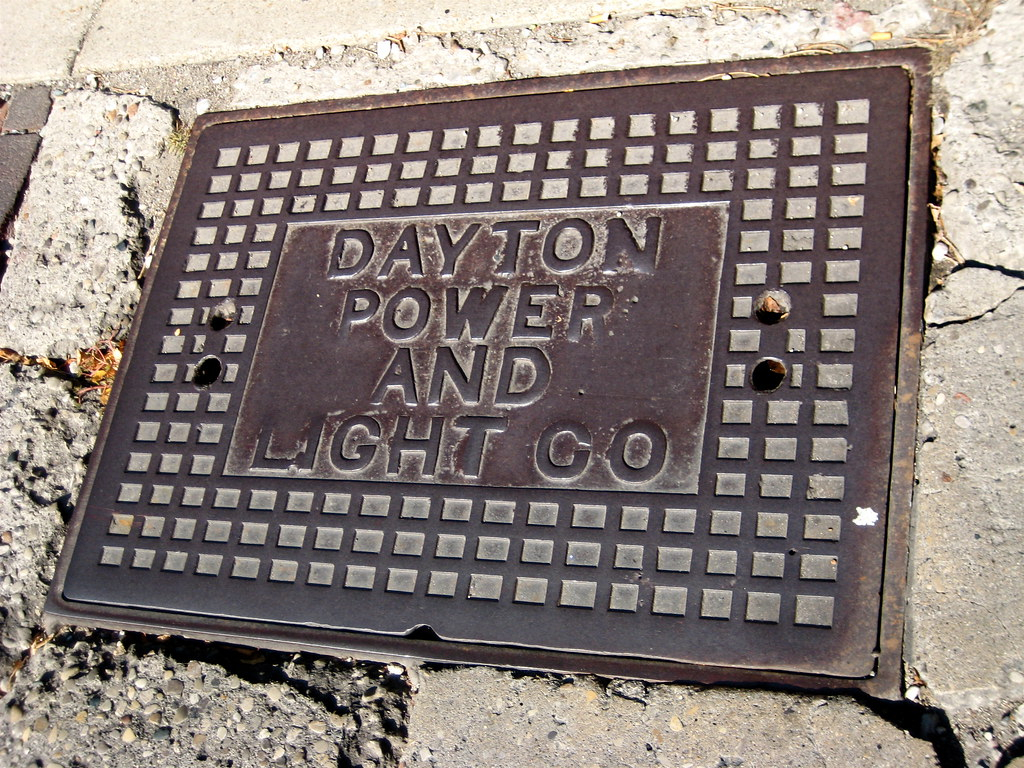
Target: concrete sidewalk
{"x": 53, "y": 39}
{"x": 123, "y": 79}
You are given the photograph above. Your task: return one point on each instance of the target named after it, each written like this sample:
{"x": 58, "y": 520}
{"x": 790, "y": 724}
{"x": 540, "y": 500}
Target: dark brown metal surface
{"x": 592, "y": 373}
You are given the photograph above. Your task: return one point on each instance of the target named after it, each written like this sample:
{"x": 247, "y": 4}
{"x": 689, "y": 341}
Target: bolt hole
{"x": 223, "y": 315}
{"x": 772, "y": 307}
{"x": 207, "y": 371}
{"x": 768, "y": 375}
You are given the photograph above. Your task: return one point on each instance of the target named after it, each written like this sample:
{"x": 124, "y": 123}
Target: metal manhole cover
{"x": 591, "y": 373}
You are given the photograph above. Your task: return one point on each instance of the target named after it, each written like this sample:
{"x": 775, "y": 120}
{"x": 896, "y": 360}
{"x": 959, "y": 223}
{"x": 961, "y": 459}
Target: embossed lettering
{"x": 525, "y": 375}
{"x": 563, "y": 450}
{"x": 513, "y": 231}
{"x": 624, "y": 250}
{"x": 404, "y": 443}
{"x": 399, "y": 375}
{"x": 300, "y": 456}
{"x": 353, "y": 249}
{"x": 452, "y": 249}
{"x": 474, "y": 337}
{"x": 359, "y": 306}
{"x": 590, "y": 305}
{"x": 467, "y": 384}
{"x": 406, "y": 250}
{"x": 638, "y": 451}
{"x": 474, "y": 311}
{"x": 568, "y": 245}
{"x": 355, "y": 443}
{"x": 406, "y": 314}
{"x": 478, "y": 430}
{"x": 529, "y": 322}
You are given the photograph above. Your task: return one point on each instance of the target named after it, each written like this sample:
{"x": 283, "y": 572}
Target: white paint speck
{"x": 865, "y": 516}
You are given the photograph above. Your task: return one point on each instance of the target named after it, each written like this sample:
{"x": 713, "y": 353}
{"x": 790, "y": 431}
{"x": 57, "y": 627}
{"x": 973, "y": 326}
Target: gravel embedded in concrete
{"x": 70, "y": 280}
{"x": 980, "y": 154}
{"x": 967, "y": 609}
{"x": 105, "y": 698}
{"x": 46, "y": 434}
{"x": 468, "y": 718}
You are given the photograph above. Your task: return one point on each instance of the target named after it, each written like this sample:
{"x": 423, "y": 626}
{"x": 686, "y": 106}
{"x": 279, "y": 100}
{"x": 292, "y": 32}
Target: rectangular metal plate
{"x": 590, "y": 373}
{"x": 479, "y": 371}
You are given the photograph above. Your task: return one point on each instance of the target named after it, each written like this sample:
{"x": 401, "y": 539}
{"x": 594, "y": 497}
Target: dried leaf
{"x": 49, "y": 364}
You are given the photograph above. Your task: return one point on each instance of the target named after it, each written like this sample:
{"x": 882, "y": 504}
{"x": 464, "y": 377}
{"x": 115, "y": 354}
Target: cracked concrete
{"x": 969, "y": 293}
{"x": 97, "y": 193}
{"x": 966, "y": 606}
